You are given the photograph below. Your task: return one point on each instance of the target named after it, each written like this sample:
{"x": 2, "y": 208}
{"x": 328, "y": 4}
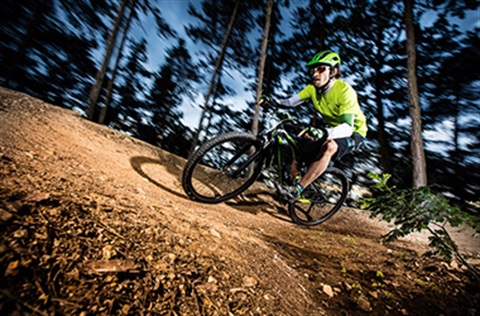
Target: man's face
{"x": 320, "y": 75}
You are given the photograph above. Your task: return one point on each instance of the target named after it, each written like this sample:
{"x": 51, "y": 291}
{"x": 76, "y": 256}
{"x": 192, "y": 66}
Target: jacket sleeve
{"x": 288, "y": 103}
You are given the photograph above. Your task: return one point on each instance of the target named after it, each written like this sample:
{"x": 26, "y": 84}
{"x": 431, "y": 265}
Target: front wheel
{"x": 321, "y": 199}
{"x": 223, "y": 167}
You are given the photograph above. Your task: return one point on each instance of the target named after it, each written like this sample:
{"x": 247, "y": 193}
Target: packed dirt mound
{"x": 95, "y": 222}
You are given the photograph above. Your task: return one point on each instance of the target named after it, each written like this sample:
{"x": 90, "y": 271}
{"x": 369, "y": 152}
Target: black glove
{"x": 311, "y": 133}
{"x": 315, "y": 133}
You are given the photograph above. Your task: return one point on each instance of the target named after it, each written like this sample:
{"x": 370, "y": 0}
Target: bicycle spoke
{"x": 222, "y": 168}
{"x": 306, "y": 213}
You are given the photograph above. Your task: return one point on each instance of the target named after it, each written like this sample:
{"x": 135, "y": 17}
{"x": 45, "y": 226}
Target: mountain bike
{"x": 228, "y": 164}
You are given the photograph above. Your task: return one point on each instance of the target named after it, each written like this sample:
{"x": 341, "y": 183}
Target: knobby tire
{"x": 327, "y": 195}
{"x": 217, "y": 170}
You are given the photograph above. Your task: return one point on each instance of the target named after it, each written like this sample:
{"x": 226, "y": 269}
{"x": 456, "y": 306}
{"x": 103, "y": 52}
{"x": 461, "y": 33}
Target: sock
{"x": 299, "y": 189}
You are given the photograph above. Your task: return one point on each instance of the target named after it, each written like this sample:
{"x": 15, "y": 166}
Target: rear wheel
{"x": 223, "y": 167}
{"x": 321, "y": 199}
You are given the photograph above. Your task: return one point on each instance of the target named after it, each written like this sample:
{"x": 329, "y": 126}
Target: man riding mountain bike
{"x": 336, "y": 101}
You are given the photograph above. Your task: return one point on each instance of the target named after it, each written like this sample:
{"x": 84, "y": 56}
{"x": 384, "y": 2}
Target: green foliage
{"x": 414, "y": 210}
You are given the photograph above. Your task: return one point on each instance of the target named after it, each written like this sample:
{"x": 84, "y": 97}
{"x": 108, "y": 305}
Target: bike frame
{"x": 254, "y": 155}
{"x": 273, "y": 140}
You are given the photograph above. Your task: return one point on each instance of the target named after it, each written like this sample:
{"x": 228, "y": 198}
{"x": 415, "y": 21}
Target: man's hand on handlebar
{"x": 312, "y": 133}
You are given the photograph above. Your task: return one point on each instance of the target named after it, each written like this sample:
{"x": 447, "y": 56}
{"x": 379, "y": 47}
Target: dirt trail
{"x": 96, "y": 222}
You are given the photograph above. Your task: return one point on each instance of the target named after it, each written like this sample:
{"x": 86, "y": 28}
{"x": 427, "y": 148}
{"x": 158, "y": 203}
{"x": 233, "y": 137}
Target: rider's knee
{"x": 331, "y": 148}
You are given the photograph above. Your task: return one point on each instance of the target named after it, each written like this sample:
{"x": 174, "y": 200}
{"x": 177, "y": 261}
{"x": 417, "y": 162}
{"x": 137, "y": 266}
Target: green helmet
{"x": 327, "y": 58}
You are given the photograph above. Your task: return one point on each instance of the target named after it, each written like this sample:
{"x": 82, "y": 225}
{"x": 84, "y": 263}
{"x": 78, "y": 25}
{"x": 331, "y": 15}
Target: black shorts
{"x": 310, "y": 150}
{"x": 348, "y": 145}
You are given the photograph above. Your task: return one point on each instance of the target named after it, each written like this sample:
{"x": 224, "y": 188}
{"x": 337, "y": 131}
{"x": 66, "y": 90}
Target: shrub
{"x": 414, "y": 210}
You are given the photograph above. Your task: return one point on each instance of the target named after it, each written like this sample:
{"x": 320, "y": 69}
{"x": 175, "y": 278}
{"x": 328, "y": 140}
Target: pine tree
{"x": 261, "y": 63}
{"x": 223, "y": 30}
{"x": 448, "y": 86}
{"x": 41, "y": 54}
{"x": 109, "y": 89}
{"x": 138, "y": 8}
{"x": 100, "y": 76}
{"x": 171, "y": 83}
{"x": 216, "y": 72}
{"x": 131, "y": 104}
{"x": 369, "y": 36}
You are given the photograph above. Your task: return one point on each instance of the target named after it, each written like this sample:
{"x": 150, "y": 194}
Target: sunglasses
{"x": 318, "y": 69}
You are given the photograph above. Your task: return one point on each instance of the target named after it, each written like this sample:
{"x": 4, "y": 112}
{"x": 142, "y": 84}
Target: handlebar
{"x": 276, "y": 117}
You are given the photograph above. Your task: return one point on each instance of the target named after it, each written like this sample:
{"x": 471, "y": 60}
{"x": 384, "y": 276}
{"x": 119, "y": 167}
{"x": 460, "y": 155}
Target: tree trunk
{"x": 382, "y": 138}
{"x": 100, "y": 76}
{"x": 106, "y": 104}
{"x": 416, "y": 145}
{"x": 218, "y": 66}
{"x": 214, "y": 94}
{"x": 261, "y": 65}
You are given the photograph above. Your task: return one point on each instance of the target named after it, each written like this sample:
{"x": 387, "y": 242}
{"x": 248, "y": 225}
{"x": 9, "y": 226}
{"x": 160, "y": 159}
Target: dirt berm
{"x": 94, "y": 222}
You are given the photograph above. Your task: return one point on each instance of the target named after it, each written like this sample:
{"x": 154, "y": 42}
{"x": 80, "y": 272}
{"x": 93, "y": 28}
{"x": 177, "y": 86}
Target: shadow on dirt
{"x": 259, "y": 201}
{"x": 137, "y": 163}
{"x": 254, "y": 201}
